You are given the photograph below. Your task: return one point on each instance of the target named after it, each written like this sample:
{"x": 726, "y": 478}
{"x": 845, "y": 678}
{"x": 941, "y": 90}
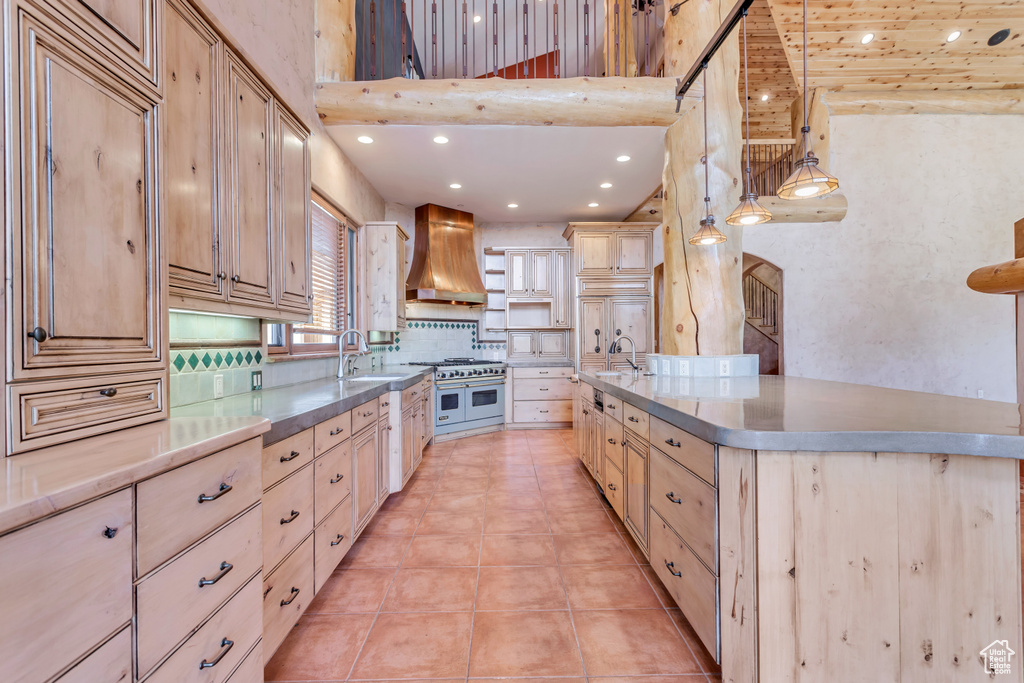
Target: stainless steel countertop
{"x": 296, "y": 407}
{"x": 793, "y": 413}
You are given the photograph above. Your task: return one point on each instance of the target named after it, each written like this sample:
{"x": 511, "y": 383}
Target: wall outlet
{"x": 257, "y": 380}
{"x": 725, "y": 367}
{"x": 981, "y": 393}
{"x": 218, "y": 386}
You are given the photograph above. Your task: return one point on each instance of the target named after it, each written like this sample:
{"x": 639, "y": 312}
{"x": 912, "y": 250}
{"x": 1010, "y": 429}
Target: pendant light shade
{"x": 708, "y": 234}
{"x": 808, "y": 180}
{"x": 749, "y": 212}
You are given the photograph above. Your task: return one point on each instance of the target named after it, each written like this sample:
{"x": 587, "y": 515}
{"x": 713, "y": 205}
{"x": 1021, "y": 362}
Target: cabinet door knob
{"x": 236, "y": 278}
{"x": 224, "y": 488}
{"x": 225, "y": 567}
{"x": 226, "y": 647}
{"x": 109, "y": 393}
{"x": 670, "y": 566}
{"x": 597, "y": 349}
{"x": 672, "y": 496}
{"x": 110, "y": 531}
{"x": 222, "y": 275}
{"x": 289, "y": 458}
{"x": 39, "y": 334}
{"x": 291, "y": 518}
{"x": 295, "y": 593}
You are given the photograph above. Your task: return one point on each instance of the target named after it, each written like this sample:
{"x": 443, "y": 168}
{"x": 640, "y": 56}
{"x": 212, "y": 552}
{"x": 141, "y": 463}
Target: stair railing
{"x": 762, "y": 303}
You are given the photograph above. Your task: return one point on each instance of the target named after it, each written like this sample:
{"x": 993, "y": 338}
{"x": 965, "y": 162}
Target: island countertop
{"x": 779, "y": 413}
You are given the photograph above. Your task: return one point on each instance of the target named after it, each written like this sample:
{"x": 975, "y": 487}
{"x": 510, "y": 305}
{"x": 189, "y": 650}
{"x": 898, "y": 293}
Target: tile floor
{"x": 498, "y": 560}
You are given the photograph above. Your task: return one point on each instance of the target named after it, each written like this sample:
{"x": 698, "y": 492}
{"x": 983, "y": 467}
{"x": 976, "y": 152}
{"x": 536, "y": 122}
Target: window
{"x": 333, "y": 266}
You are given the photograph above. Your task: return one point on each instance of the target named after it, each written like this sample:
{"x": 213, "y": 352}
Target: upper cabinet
{"x": 613, "y": 249}
{"x": 541, "y": 273}
{"x": 531, "y": 273}
{"x": 385, "y": 276}
{"x": 563, "y": 289}
{"x": 634, "y": 254}
{"x": 595, "y": 254}
{"x": 238, "y": 167}
{"x": 517, "y": 273}
{"x": 126, "y": 29}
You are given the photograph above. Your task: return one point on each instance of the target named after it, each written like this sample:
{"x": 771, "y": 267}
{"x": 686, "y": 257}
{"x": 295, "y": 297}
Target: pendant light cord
{"x": 746, "y": 105}
{"x": 707, "y": 182}
{"x": 806, "y": 129}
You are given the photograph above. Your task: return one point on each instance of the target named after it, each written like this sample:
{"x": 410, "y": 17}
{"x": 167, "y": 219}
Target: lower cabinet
{"x": 636, "y": 507}
{"x": 111, "y": 662}
{"x": 331, "y": 540}
{"x": 541, "y": 396}
{"x": 287, "y": 593}
{"x": 365, "y": 462}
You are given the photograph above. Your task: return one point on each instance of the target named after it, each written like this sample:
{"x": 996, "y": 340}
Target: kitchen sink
{"x": 374, "y": 378}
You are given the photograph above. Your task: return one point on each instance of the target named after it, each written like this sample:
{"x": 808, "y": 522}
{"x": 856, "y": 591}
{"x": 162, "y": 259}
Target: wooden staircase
{"x": 762, "y": 304}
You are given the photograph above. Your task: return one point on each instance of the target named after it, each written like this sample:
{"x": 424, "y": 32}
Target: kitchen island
{"x": 817, "y": 531}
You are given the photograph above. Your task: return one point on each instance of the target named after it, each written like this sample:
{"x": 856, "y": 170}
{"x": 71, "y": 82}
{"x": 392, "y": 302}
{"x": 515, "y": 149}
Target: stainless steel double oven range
{"x": 468, "y": 394}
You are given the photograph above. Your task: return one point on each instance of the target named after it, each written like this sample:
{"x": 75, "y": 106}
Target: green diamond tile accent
{"x": 398, "y": 348}
{"x": 206, "y": 360}
{"x": 391, "y": 348}
{"x": 229, "y": 359}
{"x": 248, "y": 357}
{"x": 258, "y": 357}
{"x": 218, "y": 359}
{"x": 239, "y": 358}
{"x": 178, "y": 362}
{"x": 193, "y": 361}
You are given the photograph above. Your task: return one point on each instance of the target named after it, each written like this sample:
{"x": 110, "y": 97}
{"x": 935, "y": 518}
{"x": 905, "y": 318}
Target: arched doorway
{"x": 762, "y": 296}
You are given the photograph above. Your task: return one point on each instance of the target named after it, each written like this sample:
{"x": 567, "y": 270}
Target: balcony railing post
{"x": 433, "y": 39}
{"x": 586, "y": 37}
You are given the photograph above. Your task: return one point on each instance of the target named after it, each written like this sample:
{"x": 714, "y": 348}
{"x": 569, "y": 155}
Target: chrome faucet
{"x": 614, "y": 348}
{"x": 345, "y": 359}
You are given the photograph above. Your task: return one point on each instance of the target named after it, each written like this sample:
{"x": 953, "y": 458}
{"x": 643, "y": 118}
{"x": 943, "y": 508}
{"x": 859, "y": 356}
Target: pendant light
{"x": 749, "y": 212}
{"x": 808, "y": 180}
{"x": 708, "y": 234}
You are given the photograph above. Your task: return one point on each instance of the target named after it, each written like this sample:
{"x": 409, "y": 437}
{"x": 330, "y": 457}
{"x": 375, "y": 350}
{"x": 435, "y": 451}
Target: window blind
{"x": 328, "y": 274}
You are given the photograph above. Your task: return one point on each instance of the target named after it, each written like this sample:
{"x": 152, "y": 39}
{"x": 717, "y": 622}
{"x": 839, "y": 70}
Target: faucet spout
{"x": 632, "y": 345}
{"x": 344, "y": 359}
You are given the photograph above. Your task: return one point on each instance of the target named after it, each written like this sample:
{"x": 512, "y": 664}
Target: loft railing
{"x": 507, "y": 38}
{"x": 762, "y": 303}
{"x": 771, "y": 162}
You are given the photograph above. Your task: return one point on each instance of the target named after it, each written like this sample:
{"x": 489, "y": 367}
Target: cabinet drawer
{"x": 541, "y": 373}
{"x": 692, "y": 453}
{"x": 557, "y": 388}
{"x": 225, "y": 638}
{"x": 614, "y": 443}
{"x": 636, "y": 421}
{"x": 176, "y": 508}
{"x": 284, "y": 457}
{"x": 384, "y": 403}
{"x": 333, "y": 480}
{"x": 286, "y": 594}
{"x": 695, "y": 589}
{"x": 411, "y": 395}
{"x": 614, "y": 487}
{"x": 687, "y": 503}
{"x": 47, "y": 413}
{"x": 171, "y": 602}
{"x": 64, "y": 571}
{"x": 330, "y": 433}
{"x": 364, "y": 416}
{"x": 613, "y": 407}
{"x": 251, "y": 669}
{"x": 542, "y": 411}
{"x": 287, "y": 516}
{"x": 111, "y": 663}
{"x": 332, "y": 539}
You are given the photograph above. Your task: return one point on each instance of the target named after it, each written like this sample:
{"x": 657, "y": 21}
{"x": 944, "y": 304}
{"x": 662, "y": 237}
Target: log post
{"x": 335, "y": 40}
{"x": 703, "y": 313}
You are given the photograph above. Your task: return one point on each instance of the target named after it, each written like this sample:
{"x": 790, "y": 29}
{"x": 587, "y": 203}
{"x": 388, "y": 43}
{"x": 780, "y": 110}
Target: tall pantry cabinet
{"x": 613, "y": 265}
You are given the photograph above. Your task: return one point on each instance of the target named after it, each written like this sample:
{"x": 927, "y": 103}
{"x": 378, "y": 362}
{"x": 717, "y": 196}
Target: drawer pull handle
{"x": 109, "y": 393}
{"x": 385, "y": 404}
{"x": 339, "y": 539}
{"x": 295, "y": 593}
{"x": 612, "y": 487}
{"x": 110, "y": 531}
{"x": 225, "y": 648}
{"x": 611, "y": 441}
{"x": 672, "y": 496}
{"x": 335, "y": 432}
{"x": 368, "y": 414}
{"x": 225, "y": 567}
{"x": 39, "y": 334}
{"x": 633, "y": 419}
{"x": 544, "y": 389}
{"x": 224, "y": 488}
{"x": 337, "y": 478}
{"x": 543, "y": 411}
{"x": 673, "y": 442}
{"x": 289, "y": 458}
{"x": 612, "y": 406}
{"x": 291, "y": 518}
{"x": 670, "y": 566}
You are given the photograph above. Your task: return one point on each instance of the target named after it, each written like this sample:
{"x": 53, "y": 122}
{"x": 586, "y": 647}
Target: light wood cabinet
{"x": 562, "y": 280}
{"x": 517, "y": 273}
{"x": 248, "y": 225}
{"x": 287, "y": 593}
{"x": 331, "y": 541}
{"x": 636, "y": 498}
{"x": 542, "y": 273}
{"x": 521, "y": 345}
{"x": 292, "y": 251}
{"x": 333, "y": 479}
{"x": 384, "y": 430}
{"x": 532, "y": 273}
{"x": 128, "y": 29}
{"x": 593, "y": 335}
{"x": 192, "y": 53}
{"x": 630, "y": 317}
{"x": 552, "y": 345}
{"x": 288, "y": 515}
{"x": 595, "y": 254}
{"x": 365, "y": 469}
{"x": 384, "y": 256}
{"x": 409, "y": 441}
{"x": 633, "y": 253}
{"x": 111, "y": 662}
{"x": 597, "y": 447}
{"x": 549, "y": 345}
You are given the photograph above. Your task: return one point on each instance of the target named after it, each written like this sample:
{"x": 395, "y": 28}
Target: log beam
{"x": 1010, "y": 101}
{"x": 597, "y": 102}
{"x": 1002, "y": 278}
{"x": 335, "y": 40}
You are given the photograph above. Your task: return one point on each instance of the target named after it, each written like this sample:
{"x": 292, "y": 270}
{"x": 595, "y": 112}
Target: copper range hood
{"x": 444, "y": 266}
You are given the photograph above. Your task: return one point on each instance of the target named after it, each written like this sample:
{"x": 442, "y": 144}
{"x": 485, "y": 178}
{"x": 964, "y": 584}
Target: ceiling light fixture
{"x": 750, "y": 211}
{"x": 708, "y": 234}
{"x": 365, "y": 139}
{"x": 513, "y": 206}
{"x": 476, "y": 19}
{"x": 624, "y": 157}
{"x": 455, "y": 186}
{"x": 868, "y": 37}
{"x": 592, "y": 205}
{"x": 808, "y": 180}
{"x": 441, "y": 140}
{"x": 953, "y": 36}
{"x": 605, "y": 186}
{"x": 764, "y": 98}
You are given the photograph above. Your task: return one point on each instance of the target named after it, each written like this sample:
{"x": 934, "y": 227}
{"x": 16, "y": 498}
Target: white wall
{"x": 880, "y": 298}
{"x": 277, "y": 36}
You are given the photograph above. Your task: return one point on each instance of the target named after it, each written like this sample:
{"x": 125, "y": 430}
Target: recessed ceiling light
{"x": 455, "y": 186}
{"x": 605, "y": 186}
{"x": 365, "y": 139}
{"x": 764, "y": 98}
{"x": 592, "y": 205}
{"x": 441, "y": 140}
{"x": 513, "y": 206}
{"x": 624, "y": 157}
{"x": 953, "y": 36}
{"x": 476, "y": 19}
{"x": 868, "y": 37}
